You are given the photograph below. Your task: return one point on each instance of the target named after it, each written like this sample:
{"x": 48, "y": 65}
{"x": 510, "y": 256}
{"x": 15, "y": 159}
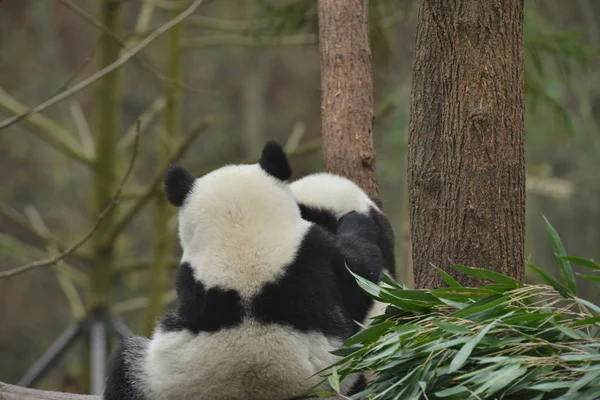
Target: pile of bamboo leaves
{"x": 506, "y": 340}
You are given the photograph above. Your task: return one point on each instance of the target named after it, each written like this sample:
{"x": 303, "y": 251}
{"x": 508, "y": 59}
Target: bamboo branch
{"x": 248, "y": 41}
{"x": 53, "y": 134}
{"x": 178, "y": 152}
{"x": 21, "y": 222}
{"x": 104, "y": 71}
{"x": 69, "y": 250}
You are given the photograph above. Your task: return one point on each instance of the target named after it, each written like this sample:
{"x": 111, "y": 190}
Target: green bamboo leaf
{"x": 550, "y": 386}
{"x": 589, "y": 305}
{"x": 586, "y": 321}
{"x": 452, "y": 391}
{"x": 559, "y": 251}
{"x": 369, "y": 334}
{"x": 547, "y": 278}
{"x": 334, "y": 380}
{"x": 446, "y": 277}
{"x": 489, "y": 275}
{"x": 465, "y": 351}
{"x": 452, "y": 328}
{"x": 593, "y": 278}
{"x": 462, "y": 293}
{"x": 582, "y": 261}
{"x": 385, "y": 278}
{"x": 481, "y": 305}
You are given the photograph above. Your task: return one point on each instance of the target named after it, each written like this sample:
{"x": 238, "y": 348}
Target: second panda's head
{"x": 237, "y": 214}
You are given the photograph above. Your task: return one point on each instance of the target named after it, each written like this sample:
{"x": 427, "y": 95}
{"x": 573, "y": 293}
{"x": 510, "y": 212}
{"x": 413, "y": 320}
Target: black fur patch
{"x": 317, "y": 293}
{"x": 319, "y": 216}
{"x": 327, "y": 220}
{"x": 359, "y": 385}
{"x": 178, "y": 184}
{"x": 386, "y": 242}
{"x": 274, "y": 161}
{"x": 122, "y": 379}
{"x": 202, "y": 310}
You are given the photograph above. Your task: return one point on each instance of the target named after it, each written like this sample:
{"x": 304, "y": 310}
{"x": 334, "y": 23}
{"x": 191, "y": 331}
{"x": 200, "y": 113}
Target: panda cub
{"x": 264, "y": 295}
{"x": 324, "y": 198}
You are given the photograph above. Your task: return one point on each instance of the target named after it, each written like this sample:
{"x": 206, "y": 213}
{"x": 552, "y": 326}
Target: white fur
{"x": 237, "y": 363}
{"x": 239, "y": 228}
{"x": 333, "y": 192}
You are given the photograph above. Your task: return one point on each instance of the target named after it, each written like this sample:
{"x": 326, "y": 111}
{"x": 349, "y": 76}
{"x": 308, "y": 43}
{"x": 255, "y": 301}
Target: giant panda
{"x": 264, "y": 295}
{"x": 324, "y": 198}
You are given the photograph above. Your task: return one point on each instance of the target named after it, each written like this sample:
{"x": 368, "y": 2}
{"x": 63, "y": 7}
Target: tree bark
{"x": 347, "y": 91}
{"x": 466, "y": 139}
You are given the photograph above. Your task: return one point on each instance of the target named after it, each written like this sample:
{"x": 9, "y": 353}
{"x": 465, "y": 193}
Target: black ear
{"x": 178, "y": 184}
{"x": 274, "y": 161}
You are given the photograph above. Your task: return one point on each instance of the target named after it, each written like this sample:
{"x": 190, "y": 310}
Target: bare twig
{"x": 178, "y": 152}
{"x": 23, "y": 252}
{"x": 83, "y": 129}
{"x": 54, "y": 134}
{"x": 143, "y": 62}
{"x": 19, "y": 220}
{"x": 245, "y": 41}
{"x": 112, "y": 204}
{"x": 106, "y": 70}
{"x": 146, "y": 118}
{"x": 62, "y": 276}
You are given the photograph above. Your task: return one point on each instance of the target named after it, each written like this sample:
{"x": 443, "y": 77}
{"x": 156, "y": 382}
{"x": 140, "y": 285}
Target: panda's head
{"x": 333, "y": 193}
{"x": 234, "y": 202}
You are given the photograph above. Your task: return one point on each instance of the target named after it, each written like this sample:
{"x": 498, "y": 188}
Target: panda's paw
{"x": 355, "y": 222}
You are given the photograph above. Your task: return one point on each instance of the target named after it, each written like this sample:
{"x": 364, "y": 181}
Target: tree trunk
{"x": 107, "y": 128}
{"x": 347, "y": 91}
{"x": 163, "y": 237}
{"x": 466, "y": 139}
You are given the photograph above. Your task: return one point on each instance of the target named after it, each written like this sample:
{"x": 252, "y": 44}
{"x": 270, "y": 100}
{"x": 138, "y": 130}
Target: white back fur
{"x": 239, "y": 227}
{"x": 332, "y": 192}
{"x": 237, "y": 363}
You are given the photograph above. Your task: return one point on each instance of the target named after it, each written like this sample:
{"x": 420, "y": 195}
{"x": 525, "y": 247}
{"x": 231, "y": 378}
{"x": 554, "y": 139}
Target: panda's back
{"x": 285, "y": 335}
{"x": 252, "y": 361}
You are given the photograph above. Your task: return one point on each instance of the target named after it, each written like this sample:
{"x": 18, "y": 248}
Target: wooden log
{"x": 13, "y": 392}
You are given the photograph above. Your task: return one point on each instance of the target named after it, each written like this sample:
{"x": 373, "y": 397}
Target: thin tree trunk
{"x": 107, "y": 129}
{"x": 172, "y": 126}
{"x": 347, "y": 91}
{"x": 466, "y": 143}
{"x": 253, "y": 88}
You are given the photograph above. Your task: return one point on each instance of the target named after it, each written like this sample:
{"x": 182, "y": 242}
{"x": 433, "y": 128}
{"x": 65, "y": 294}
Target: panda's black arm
{"x": 201, "y": 309}
{"x": 357, "y": 238}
